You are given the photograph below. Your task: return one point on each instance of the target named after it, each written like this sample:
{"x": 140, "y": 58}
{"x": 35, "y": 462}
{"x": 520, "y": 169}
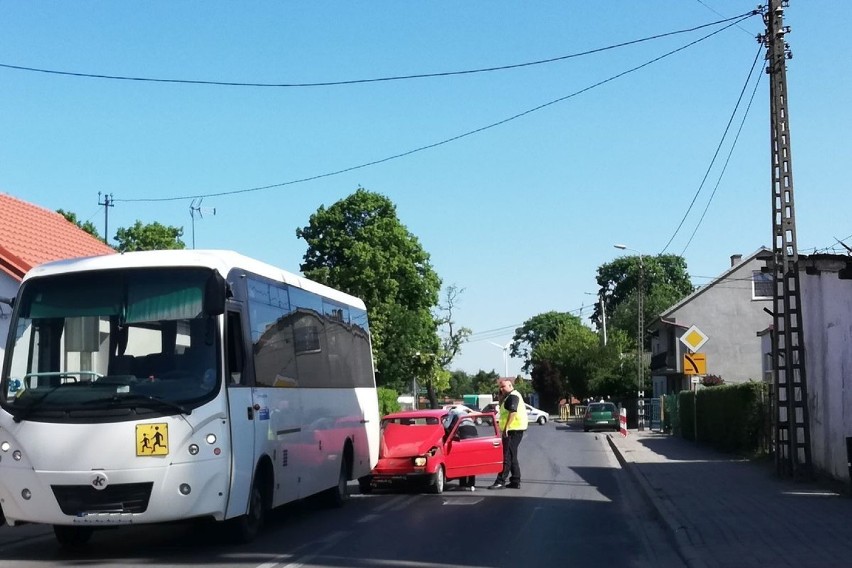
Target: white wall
{"x": 827, "y": 328}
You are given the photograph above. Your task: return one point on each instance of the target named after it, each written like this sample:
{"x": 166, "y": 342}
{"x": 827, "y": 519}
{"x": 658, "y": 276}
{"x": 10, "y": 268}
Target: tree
{"x": 452, "y": 337}
{"x": 153, "y": 236}
{"x": 485, "y": 382}
{"x": 359, "y": 245}
{"x": 537, "y": 329}
{"x": 665, "y": 282}
{"x": 460, "y": 384}
{"x": 569, "y": 357}
{"x": 613, "y": 374}
{"x": 87, "y": 226}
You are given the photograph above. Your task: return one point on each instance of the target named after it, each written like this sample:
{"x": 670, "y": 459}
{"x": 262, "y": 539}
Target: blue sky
{"x": 519, "y": 215}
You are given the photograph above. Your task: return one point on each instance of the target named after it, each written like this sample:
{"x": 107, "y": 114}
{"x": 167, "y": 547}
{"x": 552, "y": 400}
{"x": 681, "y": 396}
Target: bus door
{"x": 243, "y": 415}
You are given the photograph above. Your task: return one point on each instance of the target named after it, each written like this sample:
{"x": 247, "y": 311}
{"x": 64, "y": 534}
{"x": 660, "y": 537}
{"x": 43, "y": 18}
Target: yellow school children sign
{"x": 152, "y": 439}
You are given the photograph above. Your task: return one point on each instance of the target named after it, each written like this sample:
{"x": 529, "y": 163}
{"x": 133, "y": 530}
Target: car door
{"x": 471, "y": 449}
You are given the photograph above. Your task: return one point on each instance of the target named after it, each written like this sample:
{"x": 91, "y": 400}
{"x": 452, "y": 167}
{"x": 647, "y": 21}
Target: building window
{"x": 762, "y": 285}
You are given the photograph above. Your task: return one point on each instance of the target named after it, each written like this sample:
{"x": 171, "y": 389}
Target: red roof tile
{"x": 31, "y": 235}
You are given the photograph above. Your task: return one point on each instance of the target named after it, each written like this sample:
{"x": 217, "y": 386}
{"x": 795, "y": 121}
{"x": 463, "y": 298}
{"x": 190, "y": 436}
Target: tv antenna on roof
{"x": 195, "y": 207}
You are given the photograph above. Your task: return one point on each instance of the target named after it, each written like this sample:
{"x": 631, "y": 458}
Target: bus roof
{"x": 221, "y": 260}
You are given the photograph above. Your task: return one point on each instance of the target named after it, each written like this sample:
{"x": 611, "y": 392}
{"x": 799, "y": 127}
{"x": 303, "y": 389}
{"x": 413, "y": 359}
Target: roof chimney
{"x": 735, "y": 259}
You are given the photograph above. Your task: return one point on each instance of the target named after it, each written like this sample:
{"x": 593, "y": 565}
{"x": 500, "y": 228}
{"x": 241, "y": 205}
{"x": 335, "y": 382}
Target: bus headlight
{"x": 26, "y": 494}
{"x": 211, "y": 439}
{"x": 16, "y": 455}
{"x": 5, "y": 446}
{"x": 193, "y": 449}
{"x": 185, "y": 489}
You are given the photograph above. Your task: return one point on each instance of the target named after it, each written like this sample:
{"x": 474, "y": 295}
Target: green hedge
{"x": 731, "y": 418}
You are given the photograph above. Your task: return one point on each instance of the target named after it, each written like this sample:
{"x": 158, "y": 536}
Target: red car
{"x": 431, "y": 447}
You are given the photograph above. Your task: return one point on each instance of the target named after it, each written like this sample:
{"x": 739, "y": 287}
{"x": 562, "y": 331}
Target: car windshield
{"x": 111, "y": 343}
{"x": 601, "y": 407}
{"x": 411, "y": 421}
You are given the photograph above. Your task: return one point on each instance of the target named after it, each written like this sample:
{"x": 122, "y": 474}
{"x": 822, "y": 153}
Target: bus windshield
{"x": 112, "y": 344}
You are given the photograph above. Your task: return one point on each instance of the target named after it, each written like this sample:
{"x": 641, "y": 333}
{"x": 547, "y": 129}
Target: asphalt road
{"x": 576, "y": 507}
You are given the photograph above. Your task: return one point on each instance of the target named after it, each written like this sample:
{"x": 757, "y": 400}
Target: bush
{"x": 731, "y": 418}
{"x": 712, "y": 380}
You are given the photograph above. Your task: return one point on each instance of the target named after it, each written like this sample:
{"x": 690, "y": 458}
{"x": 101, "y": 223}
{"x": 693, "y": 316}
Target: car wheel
{"x": 541, "y": 420}
{"x": 440, "y": 479}
{"x": 72, "y": 538}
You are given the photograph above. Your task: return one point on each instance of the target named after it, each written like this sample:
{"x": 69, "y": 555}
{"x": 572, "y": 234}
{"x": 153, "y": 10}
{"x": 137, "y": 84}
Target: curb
{"x": 678, "y": 532}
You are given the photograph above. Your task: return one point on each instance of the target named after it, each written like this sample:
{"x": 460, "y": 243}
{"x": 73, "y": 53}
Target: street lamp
{"x": 505, "y": 349}
{"x": 640, "y": 412}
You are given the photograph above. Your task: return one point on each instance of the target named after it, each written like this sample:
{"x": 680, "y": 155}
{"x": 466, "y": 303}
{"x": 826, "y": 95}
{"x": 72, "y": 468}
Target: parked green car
{"x": 601, "y": 415}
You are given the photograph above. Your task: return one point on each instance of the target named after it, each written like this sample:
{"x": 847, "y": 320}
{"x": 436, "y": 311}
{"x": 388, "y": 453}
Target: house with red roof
{"x": 31, "y": 235}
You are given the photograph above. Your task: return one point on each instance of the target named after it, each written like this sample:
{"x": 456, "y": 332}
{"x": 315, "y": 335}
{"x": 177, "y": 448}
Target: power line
{"x": 442, "y": 142}
{"x": 730, "y": 151}
{"x": 369, "y": 80}
{"x": 715, "y": 154}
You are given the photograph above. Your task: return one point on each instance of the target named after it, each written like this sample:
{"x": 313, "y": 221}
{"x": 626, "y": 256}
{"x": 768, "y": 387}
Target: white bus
{"x": 158, "y": 386}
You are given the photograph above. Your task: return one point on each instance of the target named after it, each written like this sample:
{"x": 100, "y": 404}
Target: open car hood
{"x": 399, "y": 441}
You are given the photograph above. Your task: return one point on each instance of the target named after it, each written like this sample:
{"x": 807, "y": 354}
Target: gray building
{"x": 730, "y": 310}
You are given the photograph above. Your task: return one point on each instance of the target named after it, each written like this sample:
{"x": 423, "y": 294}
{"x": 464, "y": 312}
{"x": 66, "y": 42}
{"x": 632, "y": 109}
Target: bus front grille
{"x": 78, "y": 500}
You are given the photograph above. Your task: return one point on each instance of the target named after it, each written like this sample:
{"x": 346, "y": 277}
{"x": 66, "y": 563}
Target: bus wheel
{"x": 336, "y": 496}
{"x": 72, "y": 538}
{"x": 438, "y": 485}
{"x": 245, "y": 528}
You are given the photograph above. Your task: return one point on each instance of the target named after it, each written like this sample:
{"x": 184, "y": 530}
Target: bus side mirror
{"x": 215, "y": 292}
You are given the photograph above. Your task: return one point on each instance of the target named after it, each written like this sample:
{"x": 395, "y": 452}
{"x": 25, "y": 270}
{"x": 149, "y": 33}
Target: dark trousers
{"x": 511, "y": 468}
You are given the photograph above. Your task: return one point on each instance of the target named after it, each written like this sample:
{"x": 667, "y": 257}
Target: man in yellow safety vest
{"x": 513, "y": 422}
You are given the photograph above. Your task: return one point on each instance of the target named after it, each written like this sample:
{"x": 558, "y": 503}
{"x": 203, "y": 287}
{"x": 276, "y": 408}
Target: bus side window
{"x": 236, "y": 356}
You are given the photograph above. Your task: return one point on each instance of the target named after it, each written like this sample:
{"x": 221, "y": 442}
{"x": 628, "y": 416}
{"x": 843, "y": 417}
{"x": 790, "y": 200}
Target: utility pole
{"x": 640, "y": 345}
{"x": 791, "y": 426}
{"x": 107, "y": 203}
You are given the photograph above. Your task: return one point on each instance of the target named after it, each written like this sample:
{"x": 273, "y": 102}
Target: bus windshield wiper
{"x": 20, "y": 412}
{"x": 133, "y": 399}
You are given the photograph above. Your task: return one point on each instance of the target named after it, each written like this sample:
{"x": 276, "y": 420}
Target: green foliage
{"x": 524, "y": 387}
{"x": 572, "y": 352}
{"x": 731, "y": 418}
{"x": 613, "y": 369}
{"x": 87, "y": 226}
{"x": 665, "y": 282}
{"x": 153, "y": 236}
{"x": 537, "y": 329}
{"x": 358, "y": 245}
{"x": 387, "y": 400}
{"x": 547, "y": 382}
{"x": 460, "y": 384}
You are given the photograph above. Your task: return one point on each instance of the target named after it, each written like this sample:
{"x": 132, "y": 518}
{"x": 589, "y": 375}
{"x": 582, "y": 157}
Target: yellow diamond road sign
{"x": 693, "y": 338}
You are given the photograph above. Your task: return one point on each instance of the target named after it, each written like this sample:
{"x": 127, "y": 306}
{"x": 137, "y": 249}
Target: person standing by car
{"x": 513, "y": 422}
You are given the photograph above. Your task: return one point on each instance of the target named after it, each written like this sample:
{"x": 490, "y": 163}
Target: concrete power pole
{"x": 107, "y": 203}
{"x": 791, "y": 425}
